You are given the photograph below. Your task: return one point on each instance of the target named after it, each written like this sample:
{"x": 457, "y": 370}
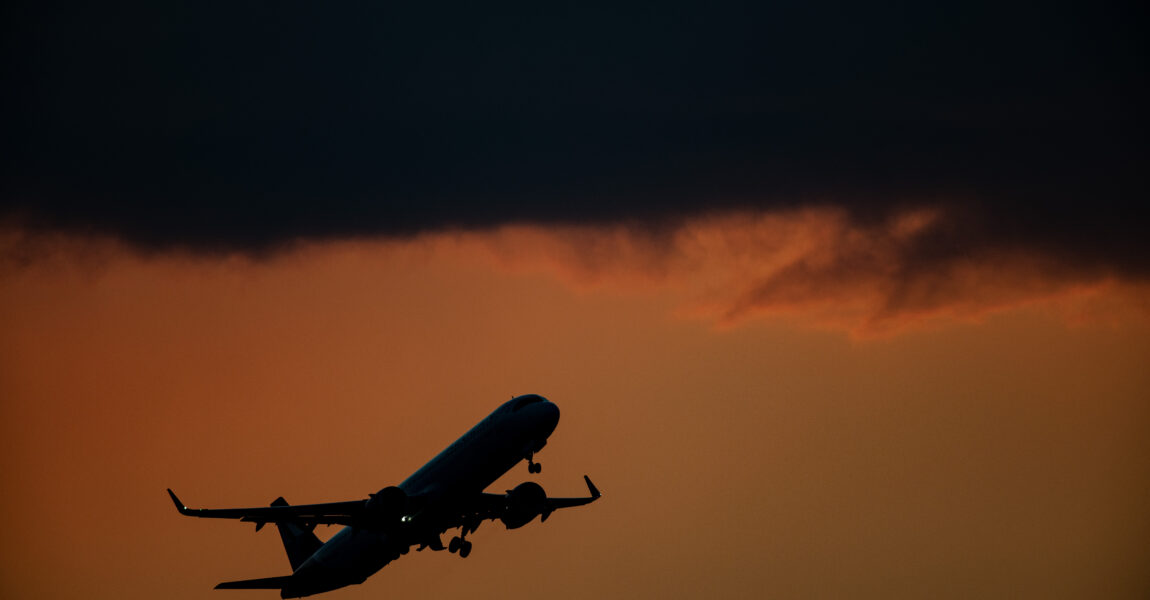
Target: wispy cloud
{"x": 816, "y": 266}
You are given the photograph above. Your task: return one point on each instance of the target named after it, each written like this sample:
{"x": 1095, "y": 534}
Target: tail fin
{"x": 299, "y": 541}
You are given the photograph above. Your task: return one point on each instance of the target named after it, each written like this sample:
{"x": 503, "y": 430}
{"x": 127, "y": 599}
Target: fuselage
{"x": 508, "y": 435}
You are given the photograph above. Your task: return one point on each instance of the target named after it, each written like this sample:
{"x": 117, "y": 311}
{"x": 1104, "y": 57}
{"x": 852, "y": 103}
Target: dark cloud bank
{"x": 238, "y": 126}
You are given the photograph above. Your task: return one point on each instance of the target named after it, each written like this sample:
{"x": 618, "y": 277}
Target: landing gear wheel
{"x": 454, "y": 545}
{"x": 465, "y": 549}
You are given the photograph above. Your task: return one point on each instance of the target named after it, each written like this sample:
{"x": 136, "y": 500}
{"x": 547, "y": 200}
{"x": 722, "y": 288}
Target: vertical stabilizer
{"x": 299, "y": 541}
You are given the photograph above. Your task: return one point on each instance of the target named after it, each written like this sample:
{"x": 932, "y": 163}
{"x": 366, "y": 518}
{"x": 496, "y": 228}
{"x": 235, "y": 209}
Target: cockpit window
{"x": 525, "y": 400}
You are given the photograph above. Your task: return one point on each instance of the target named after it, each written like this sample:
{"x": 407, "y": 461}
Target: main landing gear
{"x": 532, "y": 466}
{"x": 460, "y": 545}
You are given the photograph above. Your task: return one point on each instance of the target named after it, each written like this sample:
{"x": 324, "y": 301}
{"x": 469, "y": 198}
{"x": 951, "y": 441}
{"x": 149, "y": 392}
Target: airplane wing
{"x": 331, "y": 513}
{"x": 487, "y": 506}
{"x": 492, "y": 506}
{"x": 557, "y": 503}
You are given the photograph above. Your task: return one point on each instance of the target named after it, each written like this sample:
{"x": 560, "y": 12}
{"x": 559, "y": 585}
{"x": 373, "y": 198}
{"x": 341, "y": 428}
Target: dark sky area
{"x": 242, "y": 125}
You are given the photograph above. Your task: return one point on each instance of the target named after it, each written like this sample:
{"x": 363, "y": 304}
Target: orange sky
{"x": 823, "y": 442}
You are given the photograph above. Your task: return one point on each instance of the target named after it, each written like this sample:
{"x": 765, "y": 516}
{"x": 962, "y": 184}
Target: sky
{"x": 835, "y": 300}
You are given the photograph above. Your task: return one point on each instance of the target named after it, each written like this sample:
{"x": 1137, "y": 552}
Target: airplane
{"x": 444, "y": 494}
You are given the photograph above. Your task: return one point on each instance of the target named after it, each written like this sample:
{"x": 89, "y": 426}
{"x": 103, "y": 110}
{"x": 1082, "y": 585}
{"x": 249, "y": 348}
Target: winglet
{"x": 179, "y": 505}
{"x": 590, "y": 487}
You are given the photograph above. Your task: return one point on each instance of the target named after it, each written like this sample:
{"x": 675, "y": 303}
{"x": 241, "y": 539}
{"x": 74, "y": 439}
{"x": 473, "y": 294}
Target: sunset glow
{"x": 836, "y": 300}
{"x": 776, "y": 460}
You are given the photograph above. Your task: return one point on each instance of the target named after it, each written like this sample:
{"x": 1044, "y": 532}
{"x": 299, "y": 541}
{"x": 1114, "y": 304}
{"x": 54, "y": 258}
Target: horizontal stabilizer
{"x": 267, "y": 583}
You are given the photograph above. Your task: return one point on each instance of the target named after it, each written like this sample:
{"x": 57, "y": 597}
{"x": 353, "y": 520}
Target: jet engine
{"x": 523, "y": 503}
{"x": 385, "y": 507}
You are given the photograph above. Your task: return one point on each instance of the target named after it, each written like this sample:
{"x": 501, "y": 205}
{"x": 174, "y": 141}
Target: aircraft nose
{"x": 550, "y": 414}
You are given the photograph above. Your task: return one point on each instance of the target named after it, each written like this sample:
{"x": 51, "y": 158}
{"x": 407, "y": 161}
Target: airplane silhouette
{"x": 444, "y": 494}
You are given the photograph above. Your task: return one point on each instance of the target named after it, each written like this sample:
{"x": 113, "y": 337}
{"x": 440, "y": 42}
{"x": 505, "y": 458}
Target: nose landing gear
{"x": 532, "y": 466}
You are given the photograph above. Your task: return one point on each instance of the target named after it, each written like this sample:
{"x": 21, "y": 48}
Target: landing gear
{"x": 532, "y": 466}
{"x": 460, "y": 545}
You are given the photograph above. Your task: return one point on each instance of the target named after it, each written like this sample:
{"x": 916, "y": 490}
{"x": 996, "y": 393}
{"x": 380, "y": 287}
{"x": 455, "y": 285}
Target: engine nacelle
{"x": 385, "y": 507}
{"x": 522, "y": 504}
